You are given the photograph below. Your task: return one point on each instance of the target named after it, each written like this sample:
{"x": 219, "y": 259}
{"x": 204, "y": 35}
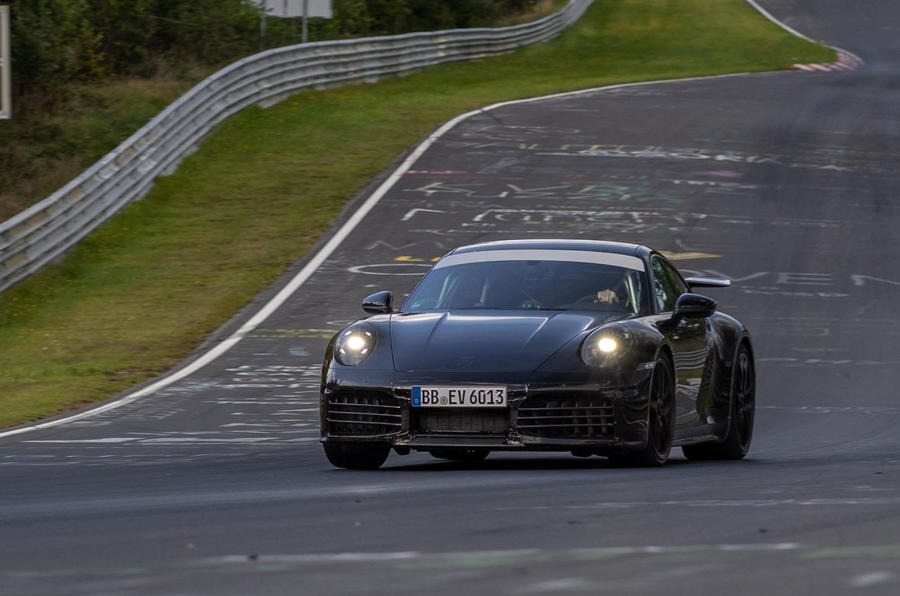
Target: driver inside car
{"x": 606, "y": 297}
{"x": 612, "y": 291}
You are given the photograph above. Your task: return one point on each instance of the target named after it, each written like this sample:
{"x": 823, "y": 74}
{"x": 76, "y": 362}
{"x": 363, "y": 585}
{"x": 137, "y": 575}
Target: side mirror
{"x": 694, "y": 306}
{"x": 377, "y": 303}
{"x": 707, "y": 282}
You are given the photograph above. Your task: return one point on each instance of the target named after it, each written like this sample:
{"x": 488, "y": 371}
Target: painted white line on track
{"x": 871, "y": 579}
{"x": 104, "y": 440}
{"x": 784, "y": 26}
{"x": 577, "y": 553}
{"x": 566, "y": 584}
{"x": 345, "y": 230}
{"x": 711, "y": 503}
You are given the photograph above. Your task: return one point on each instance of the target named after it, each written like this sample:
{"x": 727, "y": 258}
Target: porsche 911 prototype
{"x": 595, "y": 348}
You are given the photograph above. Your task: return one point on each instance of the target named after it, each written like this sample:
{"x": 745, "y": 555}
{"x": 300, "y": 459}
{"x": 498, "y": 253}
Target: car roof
{"x": 621, "y": 248}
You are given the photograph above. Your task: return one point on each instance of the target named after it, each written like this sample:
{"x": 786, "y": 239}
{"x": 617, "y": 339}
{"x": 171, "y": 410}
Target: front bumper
{"x": 539, "y": 417}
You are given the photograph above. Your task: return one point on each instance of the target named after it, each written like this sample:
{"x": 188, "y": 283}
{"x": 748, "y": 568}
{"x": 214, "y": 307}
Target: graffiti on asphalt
{"x": 602, "y": 191}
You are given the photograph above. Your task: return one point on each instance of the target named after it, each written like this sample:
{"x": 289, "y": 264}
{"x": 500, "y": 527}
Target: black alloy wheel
{"x": 357, "y": 456}
{"x": 660, "y": 420}
{"x": 740, "y": 422}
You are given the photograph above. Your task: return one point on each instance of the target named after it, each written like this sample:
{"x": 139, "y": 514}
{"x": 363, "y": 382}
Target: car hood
{"x": 483, "y": 341}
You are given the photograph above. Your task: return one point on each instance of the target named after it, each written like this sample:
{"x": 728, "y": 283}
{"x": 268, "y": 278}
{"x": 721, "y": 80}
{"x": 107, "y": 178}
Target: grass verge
{"x": 146, "y": 288}
{"x": 42, "y": 149}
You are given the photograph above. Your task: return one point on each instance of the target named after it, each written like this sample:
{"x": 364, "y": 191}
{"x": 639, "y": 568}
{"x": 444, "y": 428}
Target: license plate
{"x": 459, "y": 397}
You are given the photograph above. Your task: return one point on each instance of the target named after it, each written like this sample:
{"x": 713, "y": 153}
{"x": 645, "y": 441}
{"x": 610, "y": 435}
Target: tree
{"x": 52, "y": 43}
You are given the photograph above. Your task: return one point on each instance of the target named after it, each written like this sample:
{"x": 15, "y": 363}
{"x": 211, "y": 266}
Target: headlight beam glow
{"x": 356, "y": 343}
{"x": 607, "y": 345}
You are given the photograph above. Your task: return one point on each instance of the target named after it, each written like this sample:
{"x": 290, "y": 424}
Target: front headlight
{"x": 604, "y": 345}
{"x": 354, "y": 344}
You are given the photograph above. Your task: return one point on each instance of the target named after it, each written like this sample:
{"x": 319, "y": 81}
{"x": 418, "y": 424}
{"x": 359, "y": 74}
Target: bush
{"x": 52, "y": 43}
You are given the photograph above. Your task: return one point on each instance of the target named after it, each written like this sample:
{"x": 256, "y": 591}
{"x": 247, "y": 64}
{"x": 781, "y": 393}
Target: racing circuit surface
{"x": 786, "y": 182}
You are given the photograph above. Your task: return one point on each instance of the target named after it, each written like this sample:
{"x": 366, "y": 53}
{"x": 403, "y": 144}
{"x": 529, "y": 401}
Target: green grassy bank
{"x": 145, "y": 289}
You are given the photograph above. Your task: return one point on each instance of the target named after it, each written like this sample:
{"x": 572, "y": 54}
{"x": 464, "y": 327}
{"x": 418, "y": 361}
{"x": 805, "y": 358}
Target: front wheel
{"x": 740, "y": 423}
{"x": 660, "y": 421}
{"x": 357, "y": 456}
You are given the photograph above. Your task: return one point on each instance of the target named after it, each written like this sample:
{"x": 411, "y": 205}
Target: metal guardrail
{"x": 47, "y": 229}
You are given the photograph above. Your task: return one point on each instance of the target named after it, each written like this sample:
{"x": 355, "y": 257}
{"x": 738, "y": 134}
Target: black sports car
{"x": 598, "y": 348}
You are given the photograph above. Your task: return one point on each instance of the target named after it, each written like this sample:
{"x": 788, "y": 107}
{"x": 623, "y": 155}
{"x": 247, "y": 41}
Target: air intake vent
{"x": 465, "y": 422}
{"x": 577, "y": 418}
{"x": 361, "y": 414}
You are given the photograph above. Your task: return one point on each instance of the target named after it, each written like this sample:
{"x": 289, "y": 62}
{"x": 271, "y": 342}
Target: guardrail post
{"x": 305, "y": 37}
{"x": 5, "y": 66}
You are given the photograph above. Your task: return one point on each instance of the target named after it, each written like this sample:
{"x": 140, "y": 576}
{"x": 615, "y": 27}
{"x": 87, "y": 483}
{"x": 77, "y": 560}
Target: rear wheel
{"x": 357, "y": 456}
{"x": 460, "y": 454}
{"x": 660, "y": 421}
{"x": 740, "y": 423}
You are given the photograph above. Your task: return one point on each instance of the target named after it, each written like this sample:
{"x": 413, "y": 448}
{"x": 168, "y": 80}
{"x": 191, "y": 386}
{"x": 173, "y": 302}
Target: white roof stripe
{"x": 575, "y": 256}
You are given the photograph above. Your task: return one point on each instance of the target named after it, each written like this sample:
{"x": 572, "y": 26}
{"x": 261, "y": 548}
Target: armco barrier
{"x": 47, "y": 229}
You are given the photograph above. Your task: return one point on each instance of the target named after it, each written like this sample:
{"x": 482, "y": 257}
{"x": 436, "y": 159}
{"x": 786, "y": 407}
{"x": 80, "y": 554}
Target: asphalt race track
{"x": 786, "y": 182}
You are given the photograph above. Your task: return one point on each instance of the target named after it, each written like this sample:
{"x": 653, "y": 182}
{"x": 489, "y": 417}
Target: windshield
{"x": 531, "y": 285}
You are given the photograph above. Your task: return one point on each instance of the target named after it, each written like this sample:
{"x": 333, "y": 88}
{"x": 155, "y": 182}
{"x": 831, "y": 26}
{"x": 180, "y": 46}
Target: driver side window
{"x": 667, "y": 285}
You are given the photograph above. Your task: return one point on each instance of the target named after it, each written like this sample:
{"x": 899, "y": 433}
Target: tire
{"x": 362, "y": 456}
{"x": 740, "y": 421}
{"x": 660, "y": 421}
{"x": 460, "y": 454}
